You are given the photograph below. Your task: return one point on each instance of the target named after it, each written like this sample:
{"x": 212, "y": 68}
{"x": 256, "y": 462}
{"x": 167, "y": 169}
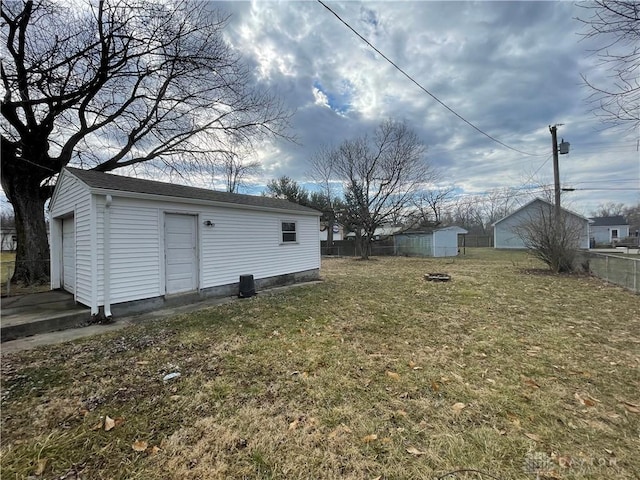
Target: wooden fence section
{"x": 470, "y": 240}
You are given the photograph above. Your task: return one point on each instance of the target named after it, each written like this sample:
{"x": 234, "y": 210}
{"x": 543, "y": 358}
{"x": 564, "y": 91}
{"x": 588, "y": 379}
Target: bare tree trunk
{"x": 32, "y": 254}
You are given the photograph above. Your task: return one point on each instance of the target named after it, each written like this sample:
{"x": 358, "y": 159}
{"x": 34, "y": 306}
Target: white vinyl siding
{"x": 72, "y": 198}
{"x": 604, "y": 234}
{"x": 506, "y": 230}
{"x": 244, "y": 242}
{"x": 238, "y": 241}
{"x": 135, "y": 252}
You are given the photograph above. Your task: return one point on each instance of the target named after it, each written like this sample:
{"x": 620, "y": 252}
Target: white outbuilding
{"x": 122, "y": 244}
{"x": 511, "y": 231}
{"x": 428, "y": 242}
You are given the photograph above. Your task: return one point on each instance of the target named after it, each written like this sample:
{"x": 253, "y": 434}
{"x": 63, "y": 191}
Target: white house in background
{"x": 338, "y": 232}
{"x": 125, "y": 244}
{"x": 429, "y": 242}
{"x": 8, "y": 239}
{"x": 608, "y": 230}
{"x": 506, "y": 231}
{"x": 379, "y": 233}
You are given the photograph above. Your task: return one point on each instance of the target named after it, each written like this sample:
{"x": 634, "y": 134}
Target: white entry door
{"x": 180, "y": 248}
{"x": 69, "y": 255}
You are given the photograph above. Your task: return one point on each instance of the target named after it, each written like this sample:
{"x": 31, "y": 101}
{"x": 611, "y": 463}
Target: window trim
{"x": 283, "y": 232}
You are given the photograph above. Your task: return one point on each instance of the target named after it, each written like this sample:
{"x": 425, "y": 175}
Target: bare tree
{"x": 381, "y": 175}
{"x": 429, "y": 204}
{"x": 498, "y": 203}
{"x": 632, "y": 215}
{"x": 609, "y": 209}
{"x": 616, "y": 23}
{"x": 236, "y": 171}
{"x": 467, "y": 212}
{"x": 113, "y": 84}
{"x": 553, "y": 240}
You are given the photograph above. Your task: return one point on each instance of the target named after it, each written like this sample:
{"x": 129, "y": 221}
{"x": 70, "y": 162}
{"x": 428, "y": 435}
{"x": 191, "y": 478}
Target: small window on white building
{"x": 289, "y": 234}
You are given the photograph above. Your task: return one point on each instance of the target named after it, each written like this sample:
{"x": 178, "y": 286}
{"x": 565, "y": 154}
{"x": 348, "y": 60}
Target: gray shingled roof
{"x": 608, "y": 221}
{"x": 108, "y": 181}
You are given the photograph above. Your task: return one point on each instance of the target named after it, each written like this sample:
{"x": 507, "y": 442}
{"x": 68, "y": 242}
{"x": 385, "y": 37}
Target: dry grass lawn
{"x": 372, "y": 374}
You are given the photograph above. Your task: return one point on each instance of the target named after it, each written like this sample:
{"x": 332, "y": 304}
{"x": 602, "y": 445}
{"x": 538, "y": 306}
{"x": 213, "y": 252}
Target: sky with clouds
{"x": 510, "y": 68}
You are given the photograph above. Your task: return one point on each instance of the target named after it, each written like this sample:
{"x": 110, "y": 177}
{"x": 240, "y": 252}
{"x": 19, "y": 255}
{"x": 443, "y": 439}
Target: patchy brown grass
{"x": 7, "y": 266}
{"x": 375, "y": 373}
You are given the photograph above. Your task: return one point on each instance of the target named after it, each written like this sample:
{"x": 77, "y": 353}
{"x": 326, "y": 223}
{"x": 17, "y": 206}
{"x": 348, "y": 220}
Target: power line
{"x": 423, "y": 88}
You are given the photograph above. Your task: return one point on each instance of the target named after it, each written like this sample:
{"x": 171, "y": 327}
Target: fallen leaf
{"x": 631, "y": 407}
{"x": 586, "y": 400}
{"x": 41, "y": 467}
{"x": 369, "y": 438}
{"x": 531, "y": 383}
{"x": 415, "y": 451}
{"x": 153, "y": 450}
{"x": 533, "y": 437}
{"x": 533, "y": 351}
{"x": 139, "y": 445}
{"x": 412, "y": 364}
{"x": 109, "y": 423}
{"x": 434, "y": 386}
{"x": 565, "y": 461}
{"x": 98, "y": 425}
{"x": 118, "y": 421}
{"x": 393, "y": 375}
{"x": 457, "y": 407}
{"x": 401, "y": 413}
{"x": 342, "y": 428}
{"x": 293, "y": 425}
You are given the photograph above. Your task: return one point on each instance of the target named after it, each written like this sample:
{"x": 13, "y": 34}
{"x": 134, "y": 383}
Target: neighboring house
{"x": 608, "y": 230}
{"x": 379, "y": 233}
{"x": 338, "y": 232}
{"x": 432, "y": 242}
{"x": 8, "y": 239}
{"x": 507, "y": 232}
{"x": 118, "y": 239}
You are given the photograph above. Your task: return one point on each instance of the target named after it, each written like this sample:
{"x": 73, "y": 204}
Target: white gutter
{"x": 107, "y": 257}
{"x": 196, "y": 201}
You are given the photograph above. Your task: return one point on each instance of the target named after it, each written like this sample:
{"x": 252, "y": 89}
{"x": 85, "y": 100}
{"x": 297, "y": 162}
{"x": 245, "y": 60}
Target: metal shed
{"x": 436, "y": 242}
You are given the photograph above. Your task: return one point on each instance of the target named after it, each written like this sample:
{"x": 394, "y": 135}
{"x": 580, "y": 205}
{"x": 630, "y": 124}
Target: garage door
{"x": 68, "y": 255}
{"x": 180, "y": 243}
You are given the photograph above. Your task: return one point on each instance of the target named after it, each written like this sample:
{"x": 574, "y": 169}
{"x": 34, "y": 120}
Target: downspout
{"x": 107, "y": 257}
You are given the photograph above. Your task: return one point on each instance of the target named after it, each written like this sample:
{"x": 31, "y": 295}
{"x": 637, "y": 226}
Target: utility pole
{"x": 556, "y": 173}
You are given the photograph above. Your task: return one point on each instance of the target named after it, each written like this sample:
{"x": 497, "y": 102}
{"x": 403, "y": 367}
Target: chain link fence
{"x": 618, "y": 269}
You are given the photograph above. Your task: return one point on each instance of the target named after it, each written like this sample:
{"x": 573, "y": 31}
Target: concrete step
{"x": 31, "y": 314}
{"x": 26, "y": 325}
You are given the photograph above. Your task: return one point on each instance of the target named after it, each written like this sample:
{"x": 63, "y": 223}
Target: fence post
{"x": 8, "y": 280}
{"x": 606, "y": 267}
{"x": 635, "y": 275}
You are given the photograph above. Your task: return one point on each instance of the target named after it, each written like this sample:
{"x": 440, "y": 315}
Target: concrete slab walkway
{"x": 34, "y": 313}
{"x": 14, "y": 315}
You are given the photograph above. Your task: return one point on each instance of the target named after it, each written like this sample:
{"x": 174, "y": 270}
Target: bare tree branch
{"x": 118, "y": 83}
{"x": 615, "y": 23}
